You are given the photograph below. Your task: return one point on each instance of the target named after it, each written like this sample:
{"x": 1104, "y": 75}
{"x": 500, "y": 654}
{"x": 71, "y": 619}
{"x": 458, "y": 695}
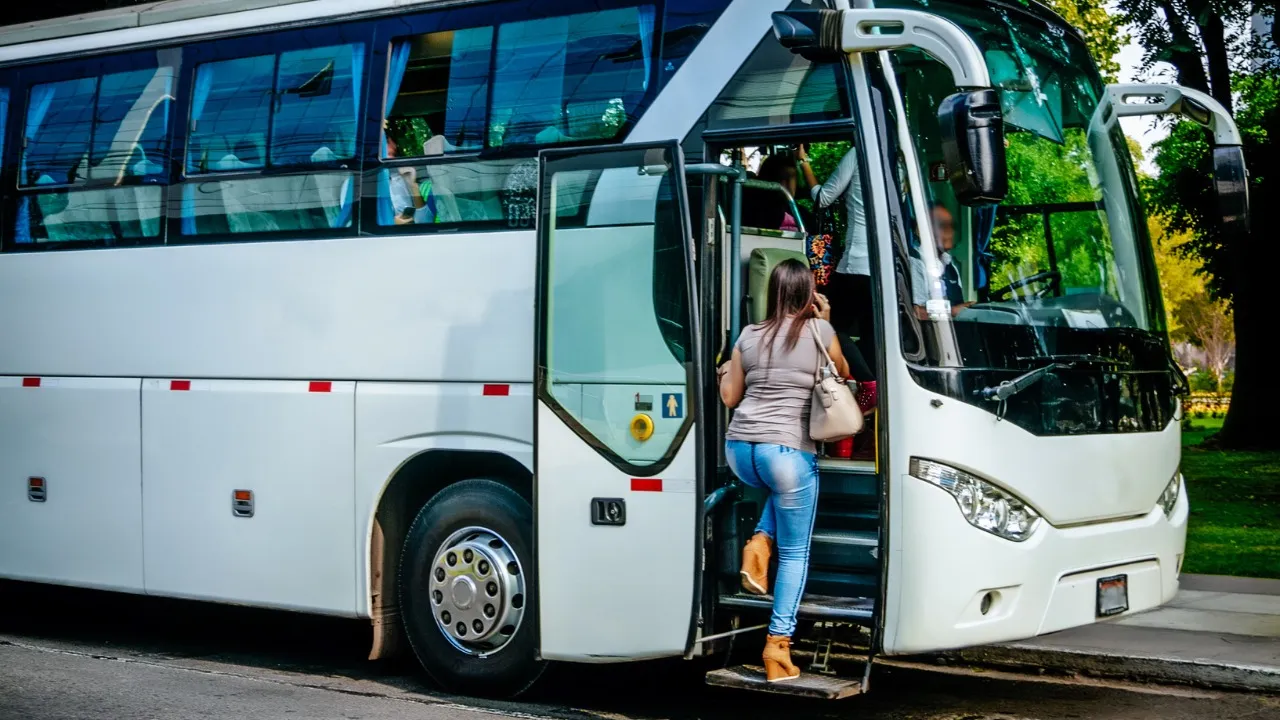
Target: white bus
{"x": 408, "y": 311}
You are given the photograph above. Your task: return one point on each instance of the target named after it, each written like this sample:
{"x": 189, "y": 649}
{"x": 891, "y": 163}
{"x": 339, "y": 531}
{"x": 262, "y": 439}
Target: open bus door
{"x": 616, "y": 443}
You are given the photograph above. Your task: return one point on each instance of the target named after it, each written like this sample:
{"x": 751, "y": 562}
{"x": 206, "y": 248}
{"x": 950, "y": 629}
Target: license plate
{"x": 1113, "y": 595}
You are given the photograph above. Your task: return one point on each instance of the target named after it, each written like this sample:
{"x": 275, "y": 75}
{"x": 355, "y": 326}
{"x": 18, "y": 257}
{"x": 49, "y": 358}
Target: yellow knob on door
{"x": 641, "y": 427}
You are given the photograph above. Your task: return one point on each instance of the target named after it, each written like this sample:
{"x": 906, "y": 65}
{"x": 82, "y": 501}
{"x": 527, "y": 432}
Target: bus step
{"x": 809, "y": 685}
{"x": 856, "y": 611}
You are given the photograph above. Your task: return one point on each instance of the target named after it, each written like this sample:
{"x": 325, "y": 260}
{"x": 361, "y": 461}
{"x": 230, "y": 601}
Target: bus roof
{"x": 107, "y": 25}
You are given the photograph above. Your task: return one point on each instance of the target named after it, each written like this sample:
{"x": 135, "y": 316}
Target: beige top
{"x": 775, "y": 408}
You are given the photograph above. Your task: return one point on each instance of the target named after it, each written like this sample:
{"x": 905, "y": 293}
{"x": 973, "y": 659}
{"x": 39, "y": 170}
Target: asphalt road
{"x": 81, "y": 654}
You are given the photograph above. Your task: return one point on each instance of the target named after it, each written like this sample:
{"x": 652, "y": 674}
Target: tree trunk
{"x": 1184, "y": 52}
{"x": 1213, "y": 33}
{"x": 1255, "y": 398}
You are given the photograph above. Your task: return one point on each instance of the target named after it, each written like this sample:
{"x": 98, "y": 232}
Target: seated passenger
{"x": 770, "y": 210}
{"x": 947, "y": 284}
{"x": 406, "y": 198}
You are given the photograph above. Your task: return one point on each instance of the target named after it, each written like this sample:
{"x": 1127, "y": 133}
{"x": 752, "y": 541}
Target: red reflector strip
{"x": 30, "y": 382}
{"x": 36, "y": 482}
{"x": 646, "y": 485}
{"x": 497, "y": 390}
{"x": 321, "y": 386}
{"x": 180, "y": 385}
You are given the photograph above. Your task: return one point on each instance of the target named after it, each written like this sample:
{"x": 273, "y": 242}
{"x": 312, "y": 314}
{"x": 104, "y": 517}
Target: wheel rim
{"x": 477, "y": 591}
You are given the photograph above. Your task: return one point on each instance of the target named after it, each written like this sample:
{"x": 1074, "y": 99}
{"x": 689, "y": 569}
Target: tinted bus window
{"x": 576, "y": 78}
{"x": 297, "y": 109}
{"x": 94, "y": 158}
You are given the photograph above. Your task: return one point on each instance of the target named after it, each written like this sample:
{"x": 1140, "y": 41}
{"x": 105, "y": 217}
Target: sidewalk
{"x": 1218, "y": 632}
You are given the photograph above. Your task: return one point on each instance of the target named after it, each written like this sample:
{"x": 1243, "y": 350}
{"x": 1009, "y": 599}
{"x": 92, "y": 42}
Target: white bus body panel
{"x": 368, "y": 308}
{"x": 594, "y": 608}
{"x": 397, "y": 421}
{"x": 82, "y": 435}
{"x": 1097, "y": 492}
{"x": 294, "y": 449}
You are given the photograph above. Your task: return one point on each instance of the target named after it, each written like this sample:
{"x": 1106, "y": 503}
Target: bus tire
{"x": 467, "y": 566}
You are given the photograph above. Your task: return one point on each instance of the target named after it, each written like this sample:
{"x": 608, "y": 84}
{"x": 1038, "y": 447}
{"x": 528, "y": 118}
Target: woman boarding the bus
{"x": 769, "y": 383}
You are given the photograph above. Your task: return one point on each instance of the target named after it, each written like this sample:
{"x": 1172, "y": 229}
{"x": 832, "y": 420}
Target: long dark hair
{"x": 791, "y": 295}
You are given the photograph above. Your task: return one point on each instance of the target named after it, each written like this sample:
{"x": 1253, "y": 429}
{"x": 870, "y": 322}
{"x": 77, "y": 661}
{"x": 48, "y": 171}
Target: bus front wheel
{"x": 466, "y": 590}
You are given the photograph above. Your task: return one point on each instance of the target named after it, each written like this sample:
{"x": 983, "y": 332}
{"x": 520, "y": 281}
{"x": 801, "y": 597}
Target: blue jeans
{"x": 791, "y": 477}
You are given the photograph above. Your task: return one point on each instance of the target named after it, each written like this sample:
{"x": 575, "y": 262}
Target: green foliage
{"x": 1103, "y": 31}
{"x": 1234, "y": 527}
{"x": 1183, "y": 192}
{"x": 1041, "y": 171}
{"x": 823, "y": 158}
{"x": 1203, "y": 381}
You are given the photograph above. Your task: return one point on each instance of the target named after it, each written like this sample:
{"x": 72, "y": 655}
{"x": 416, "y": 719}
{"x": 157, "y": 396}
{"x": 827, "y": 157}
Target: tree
{"x": 1208, "y": 324}
{"x": 1103, "y": 31}
{"x": 1179, "y": 271}
{"x": 1239, "y": 270}
{"x": 1205, "y": 41}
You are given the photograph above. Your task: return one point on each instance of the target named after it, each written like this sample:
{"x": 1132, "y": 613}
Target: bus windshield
{"x": 1062, "y": 268}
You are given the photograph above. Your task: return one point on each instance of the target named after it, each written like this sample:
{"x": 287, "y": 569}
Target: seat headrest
{"x": 759, "y": 268}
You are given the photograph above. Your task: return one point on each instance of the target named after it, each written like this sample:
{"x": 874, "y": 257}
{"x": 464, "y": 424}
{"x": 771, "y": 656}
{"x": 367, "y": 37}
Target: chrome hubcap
{"x": 477, "y": 591}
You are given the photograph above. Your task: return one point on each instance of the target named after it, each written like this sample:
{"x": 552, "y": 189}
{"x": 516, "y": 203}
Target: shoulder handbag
{"x": 833, "y": 413}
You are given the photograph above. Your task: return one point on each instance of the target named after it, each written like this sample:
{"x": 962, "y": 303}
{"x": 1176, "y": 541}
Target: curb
{"x": 1035, "y": 659}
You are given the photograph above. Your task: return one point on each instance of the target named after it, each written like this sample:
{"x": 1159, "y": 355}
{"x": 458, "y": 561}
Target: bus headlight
{"x": 984, "y": 505}
{"x": 1169, "y": 498}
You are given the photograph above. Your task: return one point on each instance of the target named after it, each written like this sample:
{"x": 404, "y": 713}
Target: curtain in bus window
{"x": 984, "y": 225}
{"x": 59, "y": 121}
{"x": 646, "y": 41}
{"x": 4, "y": 118}
{"x": 397, "y": 65}
{"x": 395, "y": 76}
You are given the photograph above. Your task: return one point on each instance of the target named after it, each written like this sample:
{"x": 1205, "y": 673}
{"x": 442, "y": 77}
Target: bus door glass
{"x": 616, "y": 456}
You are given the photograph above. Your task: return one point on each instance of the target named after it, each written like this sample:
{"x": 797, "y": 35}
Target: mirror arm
{"x": 873, "y": 30}
{"x": 1176, "y": 100}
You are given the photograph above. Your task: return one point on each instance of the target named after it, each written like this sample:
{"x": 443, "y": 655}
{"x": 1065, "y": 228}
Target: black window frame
{"x": 466, "y": 18}
{"x": 248, "y": 46}
{"x": 20, "y": 81}
{"x": 376, "y": 31}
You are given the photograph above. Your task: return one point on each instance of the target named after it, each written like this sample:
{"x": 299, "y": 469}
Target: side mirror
{"x": 815, "y": 35}
{"x": 1231, "y": 186}
{"x": 973, "y": 146}
{"x": 1230, "y": 178}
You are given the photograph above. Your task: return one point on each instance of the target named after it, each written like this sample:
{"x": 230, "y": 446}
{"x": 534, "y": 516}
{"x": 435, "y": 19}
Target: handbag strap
{"x": 817, "y": 339}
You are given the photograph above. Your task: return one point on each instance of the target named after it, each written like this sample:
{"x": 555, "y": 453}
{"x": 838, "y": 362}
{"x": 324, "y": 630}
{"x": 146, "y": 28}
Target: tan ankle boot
{"x": 777, "y": 659}
{"x": 755, "y": 565}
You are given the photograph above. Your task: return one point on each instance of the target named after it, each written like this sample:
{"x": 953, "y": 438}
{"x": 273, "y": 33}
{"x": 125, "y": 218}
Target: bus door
{"x": 616, "y": 446}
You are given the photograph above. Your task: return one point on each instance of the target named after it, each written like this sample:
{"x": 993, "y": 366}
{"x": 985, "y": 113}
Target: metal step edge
{"x": 809, "y": 685}
{"x": 847, "y": 537}
{"x": 808, "y": 608}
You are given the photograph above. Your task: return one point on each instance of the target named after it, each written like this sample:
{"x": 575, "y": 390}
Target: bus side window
{"x": 295, "y": 111}
{"x": 513, "y": 87}
{"x": 94, "y": 159}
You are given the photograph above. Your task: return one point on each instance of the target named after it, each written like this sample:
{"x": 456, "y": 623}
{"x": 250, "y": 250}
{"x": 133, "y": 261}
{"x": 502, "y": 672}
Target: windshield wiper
{"x": 1009, "y": 388}
{"x": 1078, "y": 359}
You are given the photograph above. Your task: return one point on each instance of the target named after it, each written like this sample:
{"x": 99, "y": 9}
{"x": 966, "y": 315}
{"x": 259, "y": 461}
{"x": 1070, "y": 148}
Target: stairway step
{"x": 837, "y": 465}
{"x": 849, "y": 517}
{"x": 809, "y": 685}
{"x": 855, "y": 549}
{"x": 843, "y": 583}
{"x": 846, "y": 609}
{"x": 864, "y": 488}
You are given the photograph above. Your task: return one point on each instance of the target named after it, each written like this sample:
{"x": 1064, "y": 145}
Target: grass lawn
{"x": 1235, "y": 508}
